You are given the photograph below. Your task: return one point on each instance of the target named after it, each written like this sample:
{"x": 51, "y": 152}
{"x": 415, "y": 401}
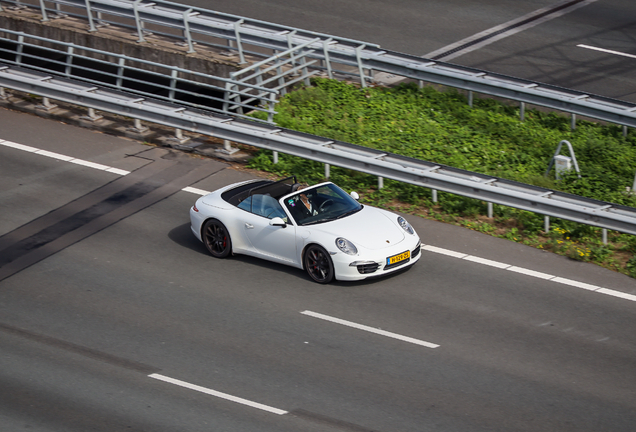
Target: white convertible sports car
{"x": 321, "y": 229}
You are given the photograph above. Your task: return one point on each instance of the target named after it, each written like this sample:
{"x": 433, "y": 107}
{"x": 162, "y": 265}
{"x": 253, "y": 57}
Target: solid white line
{"x": 530, "y": 272}
{"x": 85, "y": 163}
{"x": 487, "y": 262}
{"x": 217, "y": 394}
{"x": 617, "y": 294}
{"x": 442, "y": 251}
{"x": 607, "y": 51}
{"x": 576, "y": 284}
{"x": 370, "y": 329}
{"x": 195, "y": 190}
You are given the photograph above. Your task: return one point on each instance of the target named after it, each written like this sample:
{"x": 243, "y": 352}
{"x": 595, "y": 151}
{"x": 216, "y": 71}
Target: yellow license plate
{"x": 399, "y": 257}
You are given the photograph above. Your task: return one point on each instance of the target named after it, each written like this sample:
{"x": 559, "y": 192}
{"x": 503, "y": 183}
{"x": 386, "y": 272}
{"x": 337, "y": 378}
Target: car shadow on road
{"x": 182, "y": 235}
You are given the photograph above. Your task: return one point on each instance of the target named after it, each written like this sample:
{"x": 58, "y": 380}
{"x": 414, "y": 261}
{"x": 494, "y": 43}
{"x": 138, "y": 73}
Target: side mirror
{"x": 279, "y": 222}
{"x": 355, "y": 195}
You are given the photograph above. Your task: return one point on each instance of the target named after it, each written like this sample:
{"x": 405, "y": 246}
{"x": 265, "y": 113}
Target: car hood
{"x": 371, "y": 228}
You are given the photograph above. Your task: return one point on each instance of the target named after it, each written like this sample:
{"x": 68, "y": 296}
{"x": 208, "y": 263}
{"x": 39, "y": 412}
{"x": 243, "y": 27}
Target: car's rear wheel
{"x": 217, "y": 239}
{"x": 318, "y": 264}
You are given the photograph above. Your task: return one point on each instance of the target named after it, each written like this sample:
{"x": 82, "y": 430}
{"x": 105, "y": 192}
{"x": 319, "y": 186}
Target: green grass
{"x": 440, "y": 127}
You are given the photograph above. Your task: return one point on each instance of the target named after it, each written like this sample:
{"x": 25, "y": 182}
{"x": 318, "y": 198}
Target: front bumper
{"x": 366, "y": 264}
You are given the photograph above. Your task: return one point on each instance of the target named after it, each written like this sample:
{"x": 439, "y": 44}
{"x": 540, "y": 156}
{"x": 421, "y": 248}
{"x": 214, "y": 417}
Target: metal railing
{"x": 386, "y": 165}
{"x": 194, "y": 27}
{"x": 124, "y": 73}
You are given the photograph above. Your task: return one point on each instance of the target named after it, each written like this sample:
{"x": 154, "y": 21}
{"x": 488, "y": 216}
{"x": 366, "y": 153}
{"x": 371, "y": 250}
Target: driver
{"x": 308, "y": 205}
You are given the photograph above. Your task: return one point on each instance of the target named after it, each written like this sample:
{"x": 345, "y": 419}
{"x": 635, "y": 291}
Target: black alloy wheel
{"x": 217, "y": 239}
{"x": 318, "y": 264}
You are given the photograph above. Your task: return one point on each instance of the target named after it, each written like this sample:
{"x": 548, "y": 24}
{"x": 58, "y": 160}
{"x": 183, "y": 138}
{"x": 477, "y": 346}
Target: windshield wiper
{"x": 313, "y": 222}
{"x": 349, "y": 213}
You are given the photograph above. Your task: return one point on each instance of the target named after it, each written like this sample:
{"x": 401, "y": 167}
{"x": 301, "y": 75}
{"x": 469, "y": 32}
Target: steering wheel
{"x": 322, "y": 207}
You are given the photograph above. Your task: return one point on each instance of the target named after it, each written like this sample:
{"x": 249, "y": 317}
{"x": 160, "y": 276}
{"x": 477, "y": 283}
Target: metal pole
{"x": 363, "y": 81}
{"x": 470, "y": 98}
{"x": 140, "y": 27}
{"x": 604, "y": 233}
{"x": 89, "y": 15}
{"x": 546, "y": 224}
{"x": 325, "y": 49}
{"x": 69, "y": 61}
{"x": 327, "y": 171}
{"x": 239, "y": 45}
{"x": 522, "y": 111}
{"x": 45, "y": 18}
{"x": 573, "y": 121}
{"x": 275, "y": 153}
{"x": 380, "y": 182}
{"x": 490, "y": 210}
{"x": 434, "y": 195}
{"x": 186, "y": 30}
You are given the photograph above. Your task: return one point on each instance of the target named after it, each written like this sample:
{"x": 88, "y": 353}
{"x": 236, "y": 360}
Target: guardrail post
{"x": 624, "y": 131}
{"x": 138, "y": 127}
{"x": 275, "y": 156}
{"x": 239, "y": 45}
{"x": 173, "y": 84}
{"x": 434, "y": 195}
{"x": 573, "y": 121}
{"x": 69, "y": 62}
{"x": 380, "y": 182}
{"x": 470, "y": 98}
{"x": 89, "y": 15}
{"x": 3, "y": 94}
{"x": 186, "y": 30}
{"x": 327, "y": 171}
{"x": 325, "y": 50}
{"x": 522, "y": 111}
{"x": 47, "y": 105}
{"x": 18, "y": 51}
{"x": 363, "y": 80}
{"x": 45, "y": 18}
{"x": 92, "y": 115}
{"x": 138, "y": 22}
{"x": 604, "y": 235}
{"x": 120, "y": 72}
{"x": 546, "y": 224}
{"x": 490, "y": 210}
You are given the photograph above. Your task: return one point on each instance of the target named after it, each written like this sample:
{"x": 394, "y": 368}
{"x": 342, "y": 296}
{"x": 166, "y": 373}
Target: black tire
{"x": 216, "y": 238}
{"x": 318, "y": 264}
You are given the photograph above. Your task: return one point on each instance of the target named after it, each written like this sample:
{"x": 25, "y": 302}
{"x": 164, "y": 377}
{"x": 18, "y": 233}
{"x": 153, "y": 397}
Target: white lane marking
{"x": 370, "y": 329}
{"x": 443, "y": 251}
{"x": 617, "y": 294}
{"x": 429, "y": 248}
{"x": 217, "y": 394}
{"x": 607, "y": 51}
{"x": 528, "y": 272}
{"x": 514, "y": 26}
{"x": 487, "y": 262}
{"x": 195, "y": 190}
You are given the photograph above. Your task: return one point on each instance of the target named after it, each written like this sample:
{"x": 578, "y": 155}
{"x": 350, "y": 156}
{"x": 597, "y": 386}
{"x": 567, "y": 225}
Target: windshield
{"x": 320, "y": 204}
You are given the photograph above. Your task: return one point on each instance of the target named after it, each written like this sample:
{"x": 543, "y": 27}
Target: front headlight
{"x": 405, "y": 225}
{"x": 346, "y": 246}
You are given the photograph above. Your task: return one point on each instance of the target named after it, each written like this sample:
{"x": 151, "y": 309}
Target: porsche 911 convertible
{"x": 320, "y": 229}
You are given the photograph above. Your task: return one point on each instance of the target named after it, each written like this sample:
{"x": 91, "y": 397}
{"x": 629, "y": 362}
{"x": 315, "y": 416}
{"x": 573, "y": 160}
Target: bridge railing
{"x": 196, "y": 27}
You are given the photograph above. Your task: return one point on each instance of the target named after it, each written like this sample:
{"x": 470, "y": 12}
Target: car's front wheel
{"x": 217, "y": 239}
{"x": 318, "y": 264}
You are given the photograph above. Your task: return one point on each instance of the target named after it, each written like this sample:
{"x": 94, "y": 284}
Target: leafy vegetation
{"x": 489, "y": 138}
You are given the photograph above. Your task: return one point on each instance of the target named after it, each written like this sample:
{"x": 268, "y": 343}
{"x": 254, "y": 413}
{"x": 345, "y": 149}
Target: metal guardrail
{"x": 164, "y": 82}
{"x": 190, "y": 25}
{"x": 426, "y": 174}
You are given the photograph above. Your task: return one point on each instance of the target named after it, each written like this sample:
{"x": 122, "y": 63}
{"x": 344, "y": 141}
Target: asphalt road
{"x": 548, "y": 48}
{"x": 102, "y": 318}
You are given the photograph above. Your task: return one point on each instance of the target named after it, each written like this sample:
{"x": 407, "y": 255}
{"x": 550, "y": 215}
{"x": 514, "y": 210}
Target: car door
{"x": 275, "y": 243}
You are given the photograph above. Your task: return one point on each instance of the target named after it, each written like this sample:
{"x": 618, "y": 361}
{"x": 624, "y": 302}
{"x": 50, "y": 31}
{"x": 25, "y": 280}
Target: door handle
{"x": 248, "y": 226}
